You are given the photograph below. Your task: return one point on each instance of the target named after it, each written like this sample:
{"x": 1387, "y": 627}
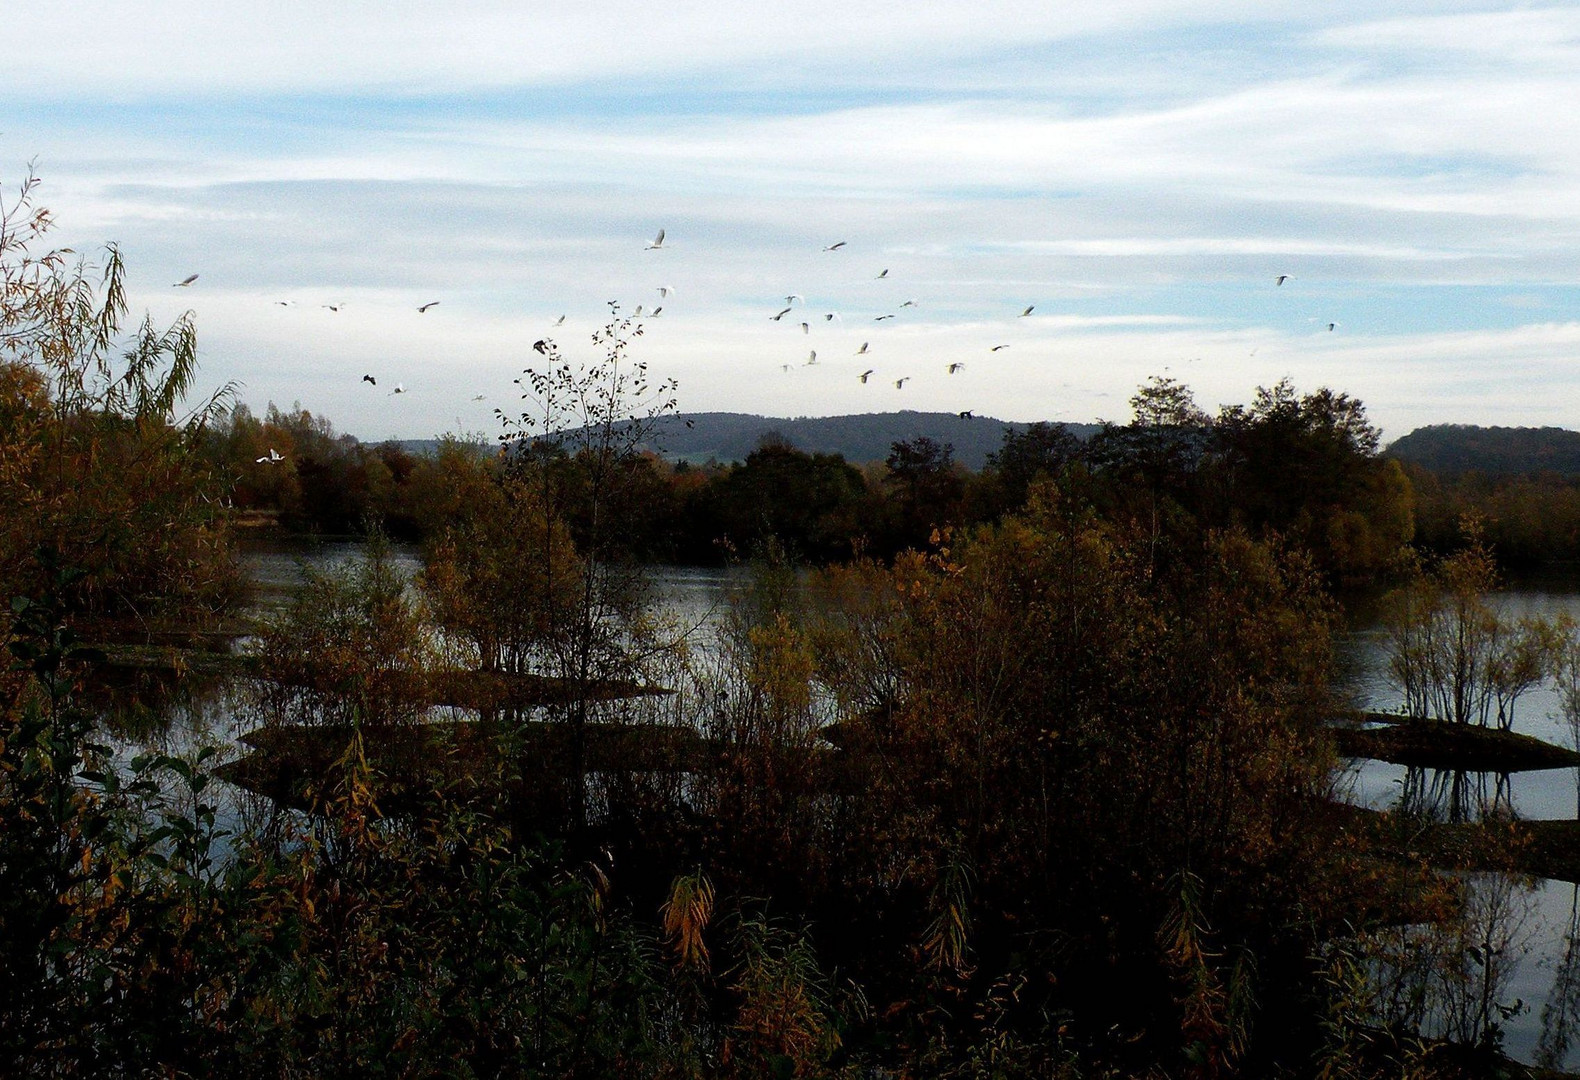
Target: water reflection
{"x": 1455, "y": 796}
{"x": 1561, "y": 1014}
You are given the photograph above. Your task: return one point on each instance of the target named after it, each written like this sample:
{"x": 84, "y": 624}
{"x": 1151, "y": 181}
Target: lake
{"x": 1541, "y": 920}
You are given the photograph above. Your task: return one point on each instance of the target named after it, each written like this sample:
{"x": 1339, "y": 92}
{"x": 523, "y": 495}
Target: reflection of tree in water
{"x": 1449, "y": 979}
{"x": 1454, "y": 795}
{"x": 1561, "y": 1014}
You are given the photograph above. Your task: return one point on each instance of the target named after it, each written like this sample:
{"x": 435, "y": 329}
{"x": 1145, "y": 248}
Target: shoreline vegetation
{"x": 1026, "y": 772}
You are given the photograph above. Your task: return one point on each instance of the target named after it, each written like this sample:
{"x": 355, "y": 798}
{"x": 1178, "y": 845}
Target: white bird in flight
{"x": 271, "y": 458}
{"x": 400, "y": 388}
{"x": 863, "y": 350}
{"x": 664, "y": 291}
{"x": 835, "y": 247}
{"x": 658, "y": 242}
{"x": 793, "y": 297}
{"x": 806, "y": 328}
{"x": 183, "y": 284}
{"x": 812, "y": 358}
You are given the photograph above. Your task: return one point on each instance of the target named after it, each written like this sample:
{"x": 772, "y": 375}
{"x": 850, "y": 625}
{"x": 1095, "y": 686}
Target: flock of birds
{"x": 791, "y": 300}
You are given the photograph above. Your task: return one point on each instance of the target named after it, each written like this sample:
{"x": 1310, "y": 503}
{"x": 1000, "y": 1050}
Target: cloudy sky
{"x": 1138, "y": 171}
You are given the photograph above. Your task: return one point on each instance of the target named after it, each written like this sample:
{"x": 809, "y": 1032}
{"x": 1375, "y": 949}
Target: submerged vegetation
{"x": 1032, "y": 776}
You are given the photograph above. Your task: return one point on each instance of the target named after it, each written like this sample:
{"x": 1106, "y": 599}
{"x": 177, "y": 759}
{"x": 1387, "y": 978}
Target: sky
{"x": 1137, "y": 172}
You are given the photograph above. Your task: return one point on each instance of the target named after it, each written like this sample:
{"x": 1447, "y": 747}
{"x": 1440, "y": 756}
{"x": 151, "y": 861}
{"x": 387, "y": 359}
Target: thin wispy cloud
{"x": 1138, "y": 172}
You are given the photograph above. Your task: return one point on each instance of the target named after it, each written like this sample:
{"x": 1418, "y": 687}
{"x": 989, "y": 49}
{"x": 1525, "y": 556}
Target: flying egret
{"x": 812, "y": 358}
{"x": 863, "y": 350}
{"x": 782, "y": 314}
{"x": 664, "y": 291}
{"x": 183, "y": 284}
{"x": 272, "y": 458}
{"x": 658, "y": 242}
{"x": 793, "y": 297}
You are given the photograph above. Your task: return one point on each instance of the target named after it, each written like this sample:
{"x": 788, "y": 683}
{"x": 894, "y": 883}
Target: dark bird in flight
{"x": 835, "y": 247}
{"x": 996, "y": 348}
{"x": 863, "y": 350}
{"x": 400, "y": 388}
{"x": 370, "y": 380}
{"x": 560, "y": 321}
{"x": 424, "y": 307}
{"x": 1029, "y": 309}
{"x": 908, "y": 303}
{"x": 880, "y": 318}
{"x": 793, "y": 297}
{"x": 965, "y": 414}
{"x": 658, "y": 242}
{"x": 882, "y": 274}
{"x": 691, "y": 423}
{"x": 541, "y": 346}
{"x": 1331, "y": 325}
{"x": 277, "y": 303}
{"x": 812, "y": 359}
{"x": 333, "y": 307}
{"x": 955, "y": 367}
{"x": 664, "y": 291}
{"x": 862, "y": 378}
{"x": 805, "y": 329}
{"x": 183, "y": 284}
{"x": 899, "y": 384}
{"x": 782, "y": 314}
{"x": 1280, "y": 279}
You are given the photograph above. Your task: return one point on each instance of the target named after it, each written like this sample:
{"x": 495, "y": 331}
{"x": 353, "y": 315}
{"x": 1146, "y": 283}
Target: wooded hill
{"x": 729, "y": 437}
{"x": 1452, "y": 449}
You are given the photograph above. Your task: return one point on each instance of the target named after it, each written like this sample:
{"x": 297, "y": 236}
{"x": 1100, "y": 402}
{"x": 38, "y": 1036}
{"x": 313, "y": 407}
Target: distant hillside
{"x": 861, "y": 437}
{"x": 1459, "y": 448}
{"x": 725, "y": 437}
